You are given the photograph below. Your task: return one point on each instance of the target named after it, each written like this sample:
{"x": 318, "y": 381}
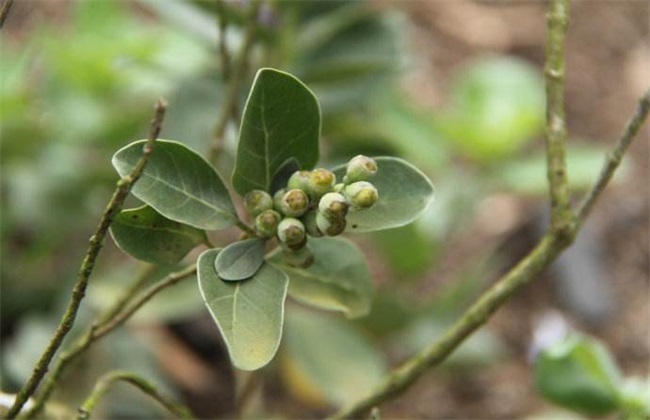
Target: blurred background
{"x": 455, "y": 87}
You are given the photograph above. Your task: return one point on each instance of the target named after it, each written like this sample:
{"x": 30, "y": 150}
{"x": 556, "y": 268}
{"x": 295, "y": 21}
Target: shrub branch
{"x": 556, "y": 133}
{"x": 5, "y": 7}
{"x": 106, "y": 381}
{"x": 560, "y": 235}
{"x": 96, "y": 243}
{"x": 614, "y": 157}
{"x": 237, "y": 73}
{"x": 99, "y": 330}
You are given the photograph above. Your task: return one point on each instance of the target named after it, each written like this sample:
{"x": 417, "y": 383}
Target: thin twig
{"x": 137, "y": 303}
{"x": 96, "y": 243}
{"x": 106, "y": 381}
{"x": 614, "y": 157}
{"x": 556, "y": 133}
{"x": 230, "y": 103}
{"x": 127, "y": 293}
{"x": 99, "y": 330}
{"x": 4, "y": 11}
{"x": 477, "y": 315}
{"x": 224, "y": 53}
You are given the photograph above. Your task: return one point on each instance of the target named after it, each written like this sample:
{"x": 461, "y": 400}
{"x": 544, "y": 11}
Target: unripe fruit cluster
{"x": 313, "y": 203}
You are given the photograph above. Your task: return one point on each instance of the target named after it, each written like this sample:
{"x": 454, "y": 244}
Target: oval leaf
{"x": 580, "y": 374}
{"x": 179, "y": 184}
{"x": 248, "y": 313}
{"x": 281, "y": 120}
{"x": 404, "y": 194}
{"x": 240, "y": 260}
{"x": 339, "y": 278}
{"x": 148, "y": 236}
{"x": 327, "y": 360}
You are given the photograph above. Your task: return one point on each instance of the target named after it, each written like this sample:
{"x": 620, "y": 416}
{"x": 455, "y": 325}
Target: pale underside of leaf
{"x": 249, "y": 313}
{"x": 240, "y": 260}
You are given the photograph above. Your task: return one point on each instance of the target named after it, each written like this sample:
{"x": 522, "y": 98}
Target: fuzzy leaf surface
{"x": 338, "y": 280}
{"x": 281, "y": 120}
{"x": 179, "y": 184}
{"x": 248, "y": 313}
{"x": 404, "y": 194}
{"x": 240, "y": 260}
{"x": 146, "y": 235}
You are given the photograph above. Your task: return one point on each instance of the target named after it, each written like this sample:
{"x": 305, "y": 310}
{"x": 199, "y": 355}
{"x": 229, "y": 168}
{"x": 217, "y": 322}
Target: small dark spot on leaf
{"x": 355, "y": 226}
{"x": 135, "y": 216}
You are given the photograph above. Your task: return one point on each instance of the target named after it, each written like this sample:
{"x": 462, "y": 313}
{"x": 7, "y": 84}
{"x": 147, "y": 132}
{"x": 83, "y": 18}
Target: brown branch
{"x": 237, "y": 76}
{"x": 4, "y": 11}
{"x": 96, "y": 243}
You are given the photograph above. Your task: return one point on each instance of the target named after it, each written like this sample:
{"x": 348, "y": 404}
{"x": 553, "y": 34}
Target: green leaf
{"x": 579, "y": 373}
{"x": 281, "y": 120}
{"x": 404, "y": 194}
{"x": 497, "y": 106}
{"x": 326, "y": 360}
{"x": 240, "y": 260}
{"x": 248, "y": 313}
{"x": 179, "y": 184}
{"x": 339, "y": 278}
{"x": 148, "y": 236}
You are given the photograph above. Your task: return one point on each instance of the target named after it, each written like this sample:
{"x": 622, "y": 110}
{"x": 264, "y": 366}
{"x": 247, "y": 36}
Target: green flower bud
{"x": 360, "y": 168}
{"x": 361, "y": 194}
{"x": 333, "y": 205}
{"x": 321, "y": 181}
{"x": 291, "y": 233}
{"x": 266, "y": 223}
{"x": 277, "y": 198}
{"x": 309, "y": 220}
{"x": 294, "y": 203}
{"x": 330, "y": 227}
{"x": 339, "y": 188}
{"x": 257, "y": 201}
{"x": 299, "y": 180}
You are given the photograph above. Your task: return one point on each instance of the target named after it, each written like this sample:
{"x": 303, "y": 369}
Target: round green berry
{"x": 257, "y": 201}
{"x": 330, "y": 226}
{"x": 321, "y": 181}
{"x": 266, "y": 223}
{"x": 361, "y": 194}
{"x": 291, "y": 233}
{"x": 309, "y": 220}
{"x": 294, "y": 203}
{"x": 360, "y": 168}
{"x": 333, "y": 205}
{"x": 299, "y": 180}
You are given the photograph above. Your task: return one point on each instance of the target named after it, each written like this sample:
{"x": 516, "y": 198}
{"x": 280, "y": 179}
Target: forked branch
{"x": 560, "y": 235}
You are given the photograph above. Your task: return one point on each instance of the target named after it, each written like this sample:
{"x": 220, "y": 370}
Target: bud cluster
{"x": 312, "y": 204}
